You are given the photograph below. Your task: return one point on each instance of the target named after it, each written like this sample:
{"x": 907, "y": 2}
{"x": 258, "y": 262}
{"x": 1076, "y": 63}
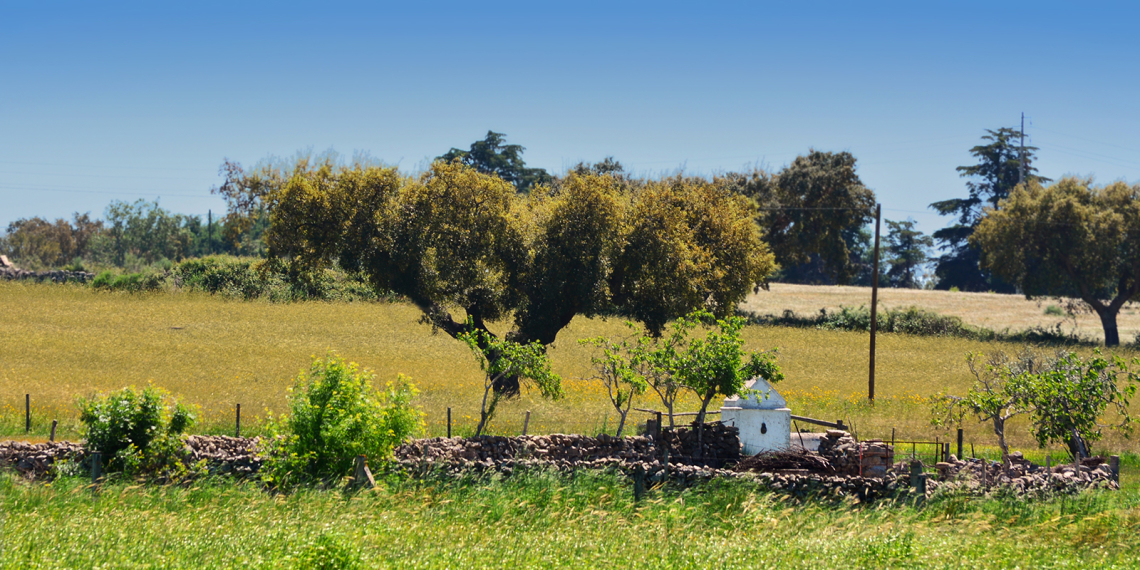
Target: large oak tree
{"x": 458, "y": 240}
{"x": 1071, "y": 239}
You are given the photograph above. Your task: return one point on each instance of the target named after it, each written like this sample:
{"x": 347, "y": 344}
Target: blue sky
{"x": 103, "y": 101}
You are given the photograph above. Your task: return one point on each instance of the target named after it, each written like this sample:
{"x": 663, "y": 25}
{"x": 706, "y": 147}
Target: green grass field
{"x": 61, "y": 342}
{"x": 546, "y": 521}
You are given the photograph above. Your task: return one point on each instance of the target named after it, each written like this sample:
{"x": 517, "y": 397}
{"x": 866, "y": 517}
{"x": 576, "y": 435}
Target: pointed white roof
{"x": 761, "y": 396}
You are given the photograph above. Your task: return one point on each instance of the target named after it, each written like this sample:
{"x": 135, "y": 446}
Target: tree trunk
{"x": 701, "y": 425}
{"x": 1077, "y": 446}
{"x": 486, "y": 411}
{"x": 999, "y": 430}
{"x": 1108, "y": 321}
{"x": 621, "y": 422}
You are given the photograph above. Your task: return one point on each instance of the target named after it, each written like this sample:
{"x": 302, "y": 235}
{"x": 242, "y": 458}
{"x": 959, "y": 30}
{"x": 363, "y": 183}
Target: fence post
{"x": 921, "y": 490}
{"x": 449, "y": 422}
{"x": 96, "y": 466}
{"x": 362, "y": 476}
{"x": 959, "y": 443}
{"x": 1114, "y": 466}
{"x": 237, "y": 426}
{"x": 657, "y": 428}
{"x": 1048, "y": 470}
{"x": 27, "y": 413}
{"x": 53, "y": 424}
{"x": 526, "y": 422}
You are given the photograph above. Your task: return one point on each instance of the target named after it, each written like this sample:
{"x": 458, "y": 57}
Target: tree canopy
{"x": 1070, "y": 238}
{"x": 458, "y": 239}
{"x": 906, "y": 250}
{"x": 493, "y": 156}
{"x": 991, "y": 180}
{"x": 811, "y": 213}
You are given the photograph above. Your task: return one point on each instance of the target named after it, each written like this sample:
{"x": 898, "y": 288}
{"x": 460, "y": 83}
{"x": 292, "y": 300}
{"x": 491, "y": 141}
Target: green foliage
{"x": 35, "y": 243}
{"x": 1054, "y": 310}
{"x": 1002, "y": 389}
{"x": 137, "y": 431}
{"x": 811, "y": 213}
{"x": 991, "y": 180}
{"x": 328, "y": 553}
{"x": 715, "y": 365}
{"x": 145, "y": 281}
{"x": 250, "y": 278}
{"x": 491, "y": 156}
{"x": 1069, "y": 398}
{"x": 504, "y": 358}
{"x": 688, "y": 245}
{"x": 142, "y": 230}
{"x": 617, "y": 365}
{"x": 335, "y": 415}
{"x": 1065, "y": 396}
{"x": 907, "y": 320}
{"x": 1069, "y": 239}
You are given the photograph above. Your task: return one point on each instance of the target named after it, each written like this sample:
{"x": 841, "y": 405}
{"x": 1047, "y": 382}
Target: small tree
{"x": 1002, "y": 390}
{"x": 1068, "y": 399}
{"x": 617, "y": 368}
{"x": 715, "y": 365}
{"x": 657, "y": 359}
{"x": 502, "y": 358}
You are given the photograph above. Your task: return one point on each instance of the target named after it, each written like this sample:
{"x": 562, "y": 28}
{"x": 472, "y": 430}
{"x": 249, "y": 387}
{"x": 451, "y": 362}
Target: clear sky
{"x": 108, "y": 100}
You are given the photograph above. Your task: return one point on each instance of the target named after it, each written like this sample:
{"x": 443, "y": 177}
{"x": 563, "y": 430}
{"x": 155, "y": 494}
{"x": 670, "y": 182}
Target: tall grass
{"x": 545, "y": 520}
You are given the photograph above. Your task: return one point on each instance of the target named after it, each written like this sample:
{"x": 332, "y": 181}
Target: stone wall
{"x": 59, "y": 276}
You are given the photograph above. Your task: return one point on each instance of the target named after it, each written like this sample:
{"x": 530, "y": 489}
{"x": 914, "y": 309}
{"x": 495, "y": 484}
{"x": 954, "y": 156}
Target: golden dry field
{"x": 61, "y": 342}
{"x": 991, "y": 310}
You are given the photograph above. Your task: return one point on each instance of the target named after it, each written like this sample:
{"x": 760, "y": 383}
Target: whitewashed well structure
{"x": 763, "y": 418}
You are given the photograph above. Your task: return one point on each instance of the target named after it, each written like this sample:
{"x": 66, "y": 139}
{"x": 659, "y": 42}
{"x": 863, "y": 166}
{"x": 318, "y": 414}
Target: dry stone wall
{"x": 60, "y": 276}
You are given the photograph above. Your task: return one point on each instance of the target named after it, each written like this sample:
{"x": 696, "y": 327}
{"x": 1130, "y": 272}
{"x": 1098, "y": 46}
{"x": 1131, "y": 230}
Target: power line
{"x": 75, "y": 191}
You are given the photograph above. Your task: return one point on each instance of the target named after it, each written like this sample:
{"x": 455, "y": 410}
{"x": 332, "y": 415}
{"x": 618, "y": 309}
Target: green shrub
{"x": 251, "y": 278}
{"x": 103, "y": 280}
{"x": 909, "y": 320}
{"x": 1054, "y": 310}
{"x": 129, "y": 282}
{"x": 335, "y": 415}
{"x": 226, "y": 275}
{"x": 135, "y": 430}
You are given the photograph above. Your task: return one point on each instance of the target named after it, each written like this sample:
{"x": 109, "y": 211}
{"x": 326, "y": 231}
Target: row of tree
{"x": 131, "y": 235}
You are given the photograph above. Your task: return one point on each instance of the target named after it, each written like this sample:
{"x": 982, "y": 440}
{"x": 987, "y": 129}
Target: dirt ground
{"x": 991, "y": 310}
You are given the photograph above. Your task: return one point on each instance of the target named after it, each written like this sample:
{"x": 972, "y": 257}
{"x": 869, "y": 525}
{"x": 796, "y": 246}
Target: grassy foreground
{"x": 61, "y": 342}
{"x": 546, "y": 521}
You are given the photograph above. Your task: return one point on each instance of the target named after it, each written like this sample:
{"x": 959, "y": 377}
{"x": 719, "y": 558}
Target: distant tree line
{"x": 131, "y": 235}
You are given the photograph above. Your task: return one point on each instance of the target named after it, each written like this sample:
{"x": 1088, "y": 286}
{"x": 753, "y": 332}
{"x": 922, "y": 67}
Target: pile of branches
{"x": 770, "y": 461}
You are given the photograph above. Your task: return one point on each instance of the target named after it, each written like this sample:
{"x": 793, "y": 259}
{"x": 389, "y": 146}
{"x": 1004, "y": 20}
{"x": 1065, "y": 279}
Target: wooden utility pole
{"x": 874, "y": 305}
